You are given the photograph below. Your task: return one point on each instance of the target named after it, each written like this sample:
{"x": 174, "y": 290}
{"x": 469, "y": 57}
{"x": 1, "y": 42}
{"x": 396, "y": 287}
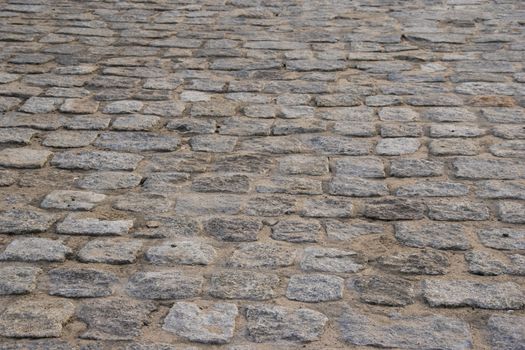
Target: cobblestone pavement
{"x": 262, "y": 174}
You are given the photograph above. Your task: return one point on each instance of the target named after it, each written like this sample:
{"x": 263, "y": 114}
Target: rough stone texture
{"x": 275, "y": 323}
{"x": 43, "y": 317}
{"x": 503, "y": 295}
{"x": 213, "y": 324}
{"x": 273, "y": 155}
{"x": 406, "y": 332}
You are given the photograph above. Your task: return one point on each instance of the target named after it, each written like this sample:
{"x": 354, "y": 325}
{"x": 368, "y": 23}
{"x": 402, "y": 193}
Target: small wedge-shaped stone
{"x": 406, "y": 332}
{"x": 72, "y": 200}
{"x": 231, "y": 284}
{"x": 96, "y": 160}
{"x": 314, "y": 288}
{"x": 109, "y": 251}
{"x": 163, "y": 285}
{"x": 257, "y": 255}
{"x": 434, "y": 235}
{"x": 181, "y": 252}
{"x": 18, "y": 279}
{"x": 35, "y": 317}
{"x": 81, "y": 282}
{"x": 137, "y": 141}
{"x": 330, "y": 260}
{"x": 23, "y": 158}
{"x": 275, "y": 323}
{"x": 209, "y": 324}
{"x": 502, "y": 295}
{"x": 35, "y": 249}
{"x": 114, "y": 319}
{"x": 25, "y": 220}
{"x": 75, "y": 224}
{"x": 507, "y": 332}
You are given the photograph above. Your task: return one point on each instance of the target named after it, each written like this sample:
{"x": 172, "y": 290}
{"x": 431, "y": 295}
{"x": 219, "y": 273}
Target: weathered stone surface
{"x": 502, "y": 238}
{"x": 472, "y": 168}
{"x": 35, "y": 317}
{"x": 458, "y": 211}
{"x": 424, "y": 262}
{"x": 113, "y": 318}
{"x": 296, "y": 231}
{"x": 502, "y": 295}
{"x": 69, "y": 139}
{"x": 221, "y": 183}
{"x": 137, "y": 141}
{"x": 231, "y": 284}
{"x": 314, "y": 288}
{"x": 356, "y": 187}
{"x": 118, "y": 107}
{"x": 18, "y": 279}
{"x": 259, "y": 255}
{"x": 226, "y": 204}
{"x": 394, "y": 209}
{"x": 78, "y": 225}
{"x": 96, "y": 160}
{"x": 163, "y": 285}
{"x": 483, "y": 263}
{"x": 397, "y": 146}
{"x": 384, "y": 290}
{"x": 110, "y": 180}
{"x": 305, "y": 165}
{"x": 72, "y": 200}
{"x": 212, "y": 324}
{"x": 432, "y": 189}
{"x": 270, "y": 206}
{"x": 110, "y": 251}
{"x": 35, "y": 249}
{"x": 416, "y": 168}
{"x": 512, "y": 212}
{"x": 330, "y": 260}
{"x": 408, "y": 332}
{"x": 434, "y": 235}
{"x": 327, "y": 207}
{"x": 181, "y": 252}
{"x": 25, "y": 220}
{"x": 23, "y": 158}
{"x": 233, "y": 229}
{"x": 275, "y": 323}
{"x": 507, "y": 332}
{"x": 81, "y": 282}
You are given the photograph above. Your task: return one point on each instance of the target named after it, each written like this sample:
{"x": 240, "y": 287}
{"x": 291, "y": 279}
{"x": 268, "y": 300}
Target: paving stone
{"x": 243, "y": 285}
{"x": 276, "y": 323}
{"x": 18, "y": 279}
{"x": 327, "y": 207}
{"x": 69, "y": 139}
{"x": 356, "y": 187}
{"x": 453, "y": 147}
{"x": 23, "y": 158}
{"x": 501, "y": 295}
{"x": 135, "y": 122}
{"x": 167, "y": 109}
{"x": 128, "y": 106}
{"x": 113, "y": 318}
{"x": 208, "y": 204}
{"x": 262, "y": 255}
{"x": 483, "y": 263}
{"x": 163, "y": 285}
{"x": 213, "y": 324}
{"x": 221, "y": 183}
{"x": 394, "y": 209}
{"x": 79, "y": 106}
{"x": 303, "y": 165}
{"x": 107, "y": 251}
{"x": 315, "y": 288}
{"x": 96, "y": 160}
{"x": 405, "y": 331}
{"x": 296, "y": 231}
{"x": 360, "y": 167}
{"x": 512, "y": 212}
{"x": 502, "y": 238}
{"x": 25, "y": 220}
{"x": 181, "y": 252}
{"x": 457, "y": 211}
{"x": 384, "y": 290}
{"x": 109, "y": 180}
{"x": 72, "y": 200}
{"x": 35, "y": 249}
{"x": 397, "y": 146}
{"x": 434, "y": 235}
{"x": 500, "y": 189}
{"x": 137, "y": 141}
{"x": 506, "y": 332}
{"x": 80, "y": 225}
{"x": 81, "y": 282}
{"x": 41, "y": 105}
{"x": 213, "y": 143}
{"x": 424, "y": 262}
{"x": 330, "y": 260}
{"x": 192, "y": 126}
{"x": 233, "y": 229}
{"x": 35, "y": 317}
{"x": 416, "y": 168}
{"x": 432, "y": 189}
{"x": 472, "y": 168}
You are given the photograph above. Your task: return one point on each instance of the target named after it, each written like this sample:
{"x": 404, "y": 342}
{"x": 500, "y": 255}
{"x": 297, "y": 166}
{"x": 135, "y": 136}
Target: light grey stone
{"x": 18, "y": 279}
{"x": 262, "y": 255}
{"x": 25, "y": 220}
{"x": 35, "y": 249}
{"x": 507, "y": 332}
{"x": 163, "y": 285}
{"x": 24, "y": 158}
{"x": 232, "y": 284}
{"x": 81, "y": 282}
{"x": 107, "y": 251}
{"x": 181, "y": 252}
{"x": 72, "y": 200}
{"x": 434, "y": 235}
{"x": 75, "y": 224}
{"x": 315, "y": 288}
{"x": 331, "y": 260}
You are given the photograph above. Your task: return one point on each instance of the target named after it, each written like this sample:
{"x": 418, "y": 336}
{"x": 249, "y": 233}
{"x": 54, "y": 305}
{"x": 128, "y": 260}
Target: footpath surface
{"x": 262, "y": 174}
